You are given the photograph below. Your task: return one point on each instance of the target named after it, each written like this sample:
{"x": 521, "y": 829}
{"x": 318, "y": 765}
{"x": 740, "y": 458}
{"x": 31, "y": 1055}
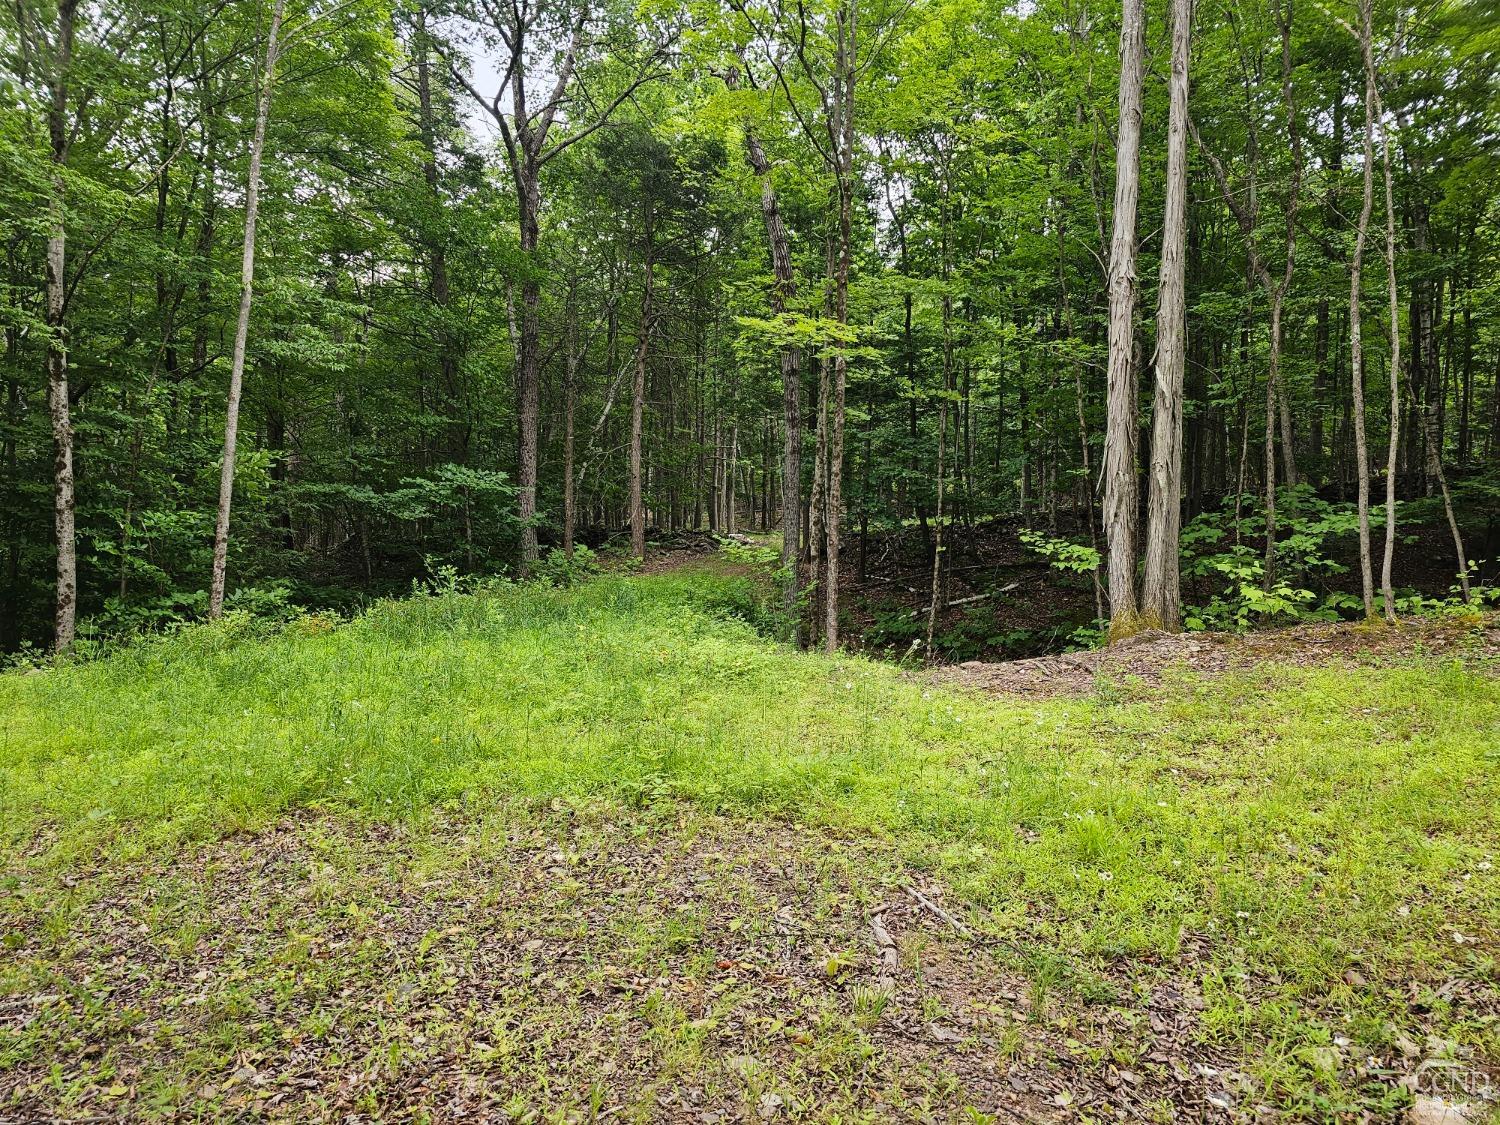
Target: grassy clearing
{"x": 1310, "y": 851}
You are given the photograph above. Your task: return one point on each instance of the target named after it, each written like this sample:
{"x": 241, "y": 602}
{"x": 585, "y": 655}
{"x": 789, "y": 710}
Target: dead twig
{"x": 922, "y": 900}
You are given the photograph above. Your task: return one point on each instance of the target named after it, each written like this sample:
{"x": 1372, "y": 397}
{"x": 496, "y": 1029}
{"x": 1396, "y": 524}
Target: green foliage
{"x": 1311, "y": 530}
{"x": 1244, "y": 601}
{"x": 560, "y": 570}
{"x": 1062, "y": 554}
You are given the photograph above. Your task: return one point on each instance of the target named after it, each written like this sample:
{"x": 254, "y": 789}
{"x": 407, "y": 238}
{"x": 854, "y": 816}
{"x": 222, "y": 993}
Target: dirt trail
{"x": 1152, "y": 656}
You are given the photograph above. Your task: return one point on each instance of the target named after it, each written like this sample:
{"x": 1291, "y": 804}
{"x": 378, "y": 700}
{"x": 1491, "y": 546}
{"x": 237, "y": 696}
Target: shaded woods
{"x": 475, "y": 283}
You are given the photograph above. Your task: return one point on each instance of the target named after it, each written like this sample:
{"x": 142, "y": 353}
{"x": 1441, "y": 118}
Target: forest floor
{"x": 1007, "y": 603}
{"x": 1154, "y": 657}
{"x": 605, "y": 854}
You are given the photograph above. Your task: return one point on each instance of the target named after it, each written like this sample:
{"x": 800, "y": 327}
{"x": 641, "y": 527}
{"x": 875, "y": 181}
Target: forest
{"x": 703, "y": 561}
{"x": 302, "y": 305}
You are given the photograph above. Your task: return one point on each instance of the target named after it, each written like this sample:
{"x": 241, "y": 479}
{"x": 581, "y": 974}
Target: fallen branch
{"x": 922, "y": 900}
{"x": 966, "y": 601}
{"x": 893, "y": 582}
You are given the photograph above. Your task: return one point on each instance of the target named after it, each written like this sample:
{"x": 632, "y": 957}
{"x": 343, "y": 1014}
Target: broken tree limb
{"x": 923, "y": 901}
{"x": 969, "y": 600}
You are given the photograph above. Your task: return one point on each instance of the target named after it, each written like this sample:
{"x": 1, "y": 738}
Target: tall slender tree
{"x": 1120, "y": 488}
{"x": 1356, "y": 328}
{"x": 1161, "y": 597}
{"x": 242, "y": 324}
{"x": 60, "y": 139}
{"x": 541, "y": 40}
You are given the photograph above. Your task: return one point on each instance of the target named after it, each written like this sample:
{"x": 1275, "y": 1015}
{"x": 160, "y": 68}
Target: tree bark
{"x": 1161, "y": 596}
{"x": 242, "y": 326}
{"x": 66, "y": 603}
{"x": 570, "y": 411}
{"x": 1356, "y": 339}
{"x": 1393, "y": 446}
{"x": 529, "y": 356}
{"x": 1120, "y": 487}
{"x": 638, "y": 402}
{"x": 782, "y": 292}
{"x": 846, "y": 74}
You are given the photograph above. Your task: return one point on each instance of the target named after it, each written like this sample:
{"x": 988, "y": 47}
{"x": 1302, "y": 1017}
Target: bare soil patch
{"x": 1153, "y": 655}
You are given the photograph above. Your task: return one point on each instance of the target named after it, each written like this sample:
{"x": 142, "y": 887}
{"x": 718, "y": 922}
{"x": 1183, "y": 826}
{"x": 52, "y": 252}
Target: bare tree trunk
{"x": 817, "y": 519}
{"x": 637, "y": 406}
{"x": 1356, "y": 340}
{"x": 1120, "y": 488}
{"x": 1161, "y": 595}
{"x": 732, "y": 477}
{"x": 570, "y": 408}
{"x": 529, "y": 365}
{"x": 1393, "y": 446}
{"x": 846, "y": 75}
{"x": 62, "y": 426}
{"x": 791, "y": 379}
{"x": 1435, "y": 472}
{"x": 242, "y": 326}
{"x": 66, "y": 607}
{"x": 938, "y": 603}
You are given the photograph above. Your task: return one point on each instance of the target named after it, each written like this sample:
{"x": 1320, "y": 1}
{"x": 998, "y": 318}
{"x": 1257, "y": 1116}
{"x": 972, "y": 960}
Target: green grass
{"x": 1265, "y": 836}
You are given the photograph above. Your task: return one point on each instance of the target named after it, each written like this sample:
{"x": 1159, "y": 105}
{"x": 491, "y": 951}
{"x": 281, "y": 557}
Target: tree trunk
{"x": 62, "y": 427}
{"x": 1356, "y": 340}
{"x": 66, "y": 605}
{"x": 1393, "y": 446}
{"x": 242, "y": 326}
{"x": 570, "y": 411}
{"x": 1120, "y": 487}
{"x": 638, "y": 403}
{"x": 1161, "y": 597}
{"x": 529, "y": 372}
{"x": 782, "y": 292}
{"x": 846, "y": 75}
